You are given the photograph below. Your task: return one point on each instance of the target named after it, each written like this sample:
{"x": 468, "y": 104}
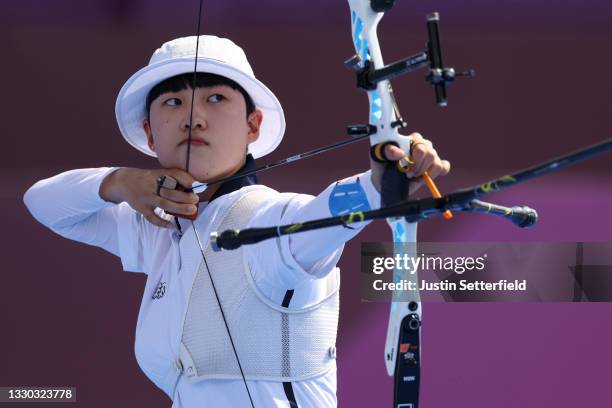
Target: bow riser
{"x": 402, "y": 347}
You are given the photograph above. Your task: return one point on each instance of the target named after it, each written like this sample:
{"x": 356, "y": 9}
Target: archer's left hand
{"x": 424, "y": 156}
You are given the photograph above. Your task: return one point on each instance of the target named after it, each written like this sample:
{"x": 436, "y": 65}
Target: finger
{"x": 439, "y": 168}
{"x": 156, "y": 219}
{"x": 173, "y": 207}
{"x": 446, "y": 166}
{"x": 435, "y": 169}
{"x": 150, "y": 179}
{"x": 416, "y": 137}
{"x": 179, "y": 196}
{"x": 394, "y": 153}
{"x": 427, "y": 162}
{"x": 184, "y": 179}
{"x": 417, "y": 154}
{"x": 423, "y": 159}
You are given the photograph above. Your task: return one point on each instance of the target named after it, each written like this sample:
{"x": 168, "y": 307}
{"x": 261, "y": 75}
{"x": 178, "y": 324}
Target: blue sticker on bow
{"x": 348, "y": 197}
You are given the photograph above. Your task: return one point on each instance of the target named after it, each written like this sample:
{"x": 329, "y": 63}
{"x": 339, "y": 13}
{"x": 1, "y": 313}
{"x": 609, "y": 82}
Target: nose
{"x": 196, "y": 118}
{"x": 197, "y": 123}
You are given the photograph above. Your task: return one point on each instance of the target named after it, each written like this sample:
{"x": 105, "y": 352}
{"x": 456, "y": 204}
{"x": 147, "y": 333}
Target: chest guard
{"x": 273, "y": 342}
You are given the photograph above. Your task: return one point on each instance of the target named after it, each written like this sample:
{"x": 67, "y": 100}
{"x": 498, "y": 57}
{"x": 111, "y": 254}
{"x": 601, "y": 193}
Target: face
{"x": 220, "y": 131}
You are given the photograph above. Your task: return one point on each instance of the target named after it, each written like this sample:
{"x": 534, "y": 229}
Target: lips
{"x": 195, "y": 141}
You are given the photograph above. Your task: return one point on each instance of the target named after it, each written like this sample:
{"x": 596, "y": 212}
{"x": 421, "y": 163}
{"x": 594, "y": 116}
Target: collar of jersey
{"x": 237, "y": 184}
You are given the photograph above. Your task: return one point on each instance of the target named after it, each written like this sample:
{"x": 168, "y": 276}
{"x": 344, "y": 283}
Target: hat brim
{"x": 130, "y": 108}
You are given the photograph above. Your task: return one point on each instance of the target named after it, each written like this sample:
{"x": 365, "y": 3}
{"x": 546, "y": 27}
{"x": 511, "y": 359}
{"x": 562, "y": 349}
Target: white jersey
{"x": 70, "y": 205}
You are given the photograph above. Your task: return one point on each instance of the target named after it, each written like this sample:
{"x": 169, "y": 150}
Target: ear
{"x": 254, "y": 124}
{"x": 146, "y": 126}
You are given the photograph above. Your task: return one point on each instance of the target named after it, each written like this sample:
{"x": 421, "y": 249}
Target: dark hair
{"x": 203, "y": 80}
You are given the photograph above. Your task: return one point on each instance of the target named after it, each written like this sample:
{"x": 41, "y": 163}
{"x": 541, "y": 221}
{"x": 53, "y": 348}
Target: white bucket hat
{"x": 216, "y": 55}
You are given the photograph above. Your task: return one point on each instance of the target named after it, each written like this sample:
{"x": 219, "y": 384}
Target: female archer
{"x": 210, "y": 323}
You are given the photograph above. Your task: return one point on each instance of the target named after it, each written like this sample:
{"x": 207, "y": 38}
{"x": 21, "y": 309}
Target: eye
{"x": 173, "y": 102}
{"x": 216, "y": 98}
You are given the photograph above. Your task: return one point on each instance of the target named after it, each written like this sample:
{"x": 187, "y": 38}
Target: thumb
{"x": 184, "y": 179}
{"x": 394, "y": 153}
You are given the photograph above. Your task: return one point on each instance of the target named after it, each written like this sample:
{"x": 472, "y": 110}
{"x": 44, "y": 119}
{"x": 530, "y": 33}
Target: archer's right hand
{"x": 138, "y": 187}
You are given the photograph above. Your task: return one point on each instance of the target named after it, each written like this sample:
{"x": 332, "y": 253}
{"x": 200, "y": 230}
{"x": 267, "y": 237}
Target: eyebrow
{"x": 220, "y": 86}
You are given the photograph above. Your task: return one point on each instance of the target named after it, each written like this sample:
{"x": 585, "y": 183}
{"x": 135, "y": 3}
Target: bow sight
{"x": 439, "y": 76}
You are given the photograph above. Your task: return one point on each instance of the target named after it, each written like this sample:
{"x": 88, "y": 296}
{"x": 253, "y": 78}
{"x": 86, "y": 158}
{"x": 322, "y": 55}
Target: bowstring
{"x": 195, "y": 231}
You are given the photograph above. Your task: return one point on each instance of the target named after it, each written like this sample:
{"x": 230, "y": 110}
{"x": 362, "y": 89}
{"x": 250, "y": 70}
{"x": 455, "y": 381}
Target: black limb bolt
{"x": 414, "y": 322}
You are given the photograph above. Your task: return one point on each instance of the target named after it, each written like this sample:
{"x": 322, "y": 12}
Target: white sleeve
{"x": 70, "y": 205}
{"x": 312, "y": 254}
{"x": 318, "y": 251}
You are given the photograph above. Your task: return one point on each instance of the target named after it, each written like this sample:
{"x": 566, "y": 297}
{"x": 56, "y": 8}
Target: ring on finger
{"x": 416, "y": 144}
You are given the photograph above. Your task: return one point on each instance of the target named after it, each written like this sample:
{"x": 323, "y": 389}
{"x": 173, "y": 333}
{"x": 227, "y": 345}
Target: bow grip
{"x": 380, "y": 6}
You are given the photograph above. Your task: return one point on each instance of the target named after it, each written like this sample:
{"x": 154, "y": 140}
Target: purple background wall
{"x": 68, "y": 314}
